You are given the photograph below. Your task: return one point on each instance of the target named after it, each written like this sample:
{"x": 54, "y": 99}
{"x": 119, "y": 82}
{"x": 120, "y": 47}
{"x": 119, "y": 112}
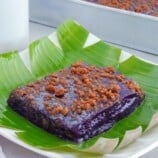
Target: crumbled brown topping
{"x": 77, "y": 80}
{"x": 91, "y": 88}
{"x": 59, "y": 92}
{"x": 54, "y": 110}
{"x": 85, "y": 79}
{"x": 21, "y": 92}
{"x": 120, "y": 77}
{"x": 104, "y": 99}
{"x": 79, "y": 70}
{"x": 149, "y": 7}
{"x": 115, "y": 88}
{"x": 80, "y": 93}
{"x": 65, "y": 111}
{"x": 32, "y": 85}
{"x": 134, "y": 87}
{"x": 109, "y": 70}
{"x": 50, "y": 88}
{"x": 47, "y": 97}
{"x": 142, "y": 8}
{"x": 53, "y": 76}
{"x": 108, "y": 75}
{"x": 63, "y": 82}
{"x": 77, "y": 64}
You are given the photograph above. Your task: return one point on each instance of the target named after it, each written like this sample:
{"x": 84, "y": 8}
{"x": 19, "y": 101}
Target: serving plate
{"x": 143, "y": 145}
{"x": 72, "y": 34}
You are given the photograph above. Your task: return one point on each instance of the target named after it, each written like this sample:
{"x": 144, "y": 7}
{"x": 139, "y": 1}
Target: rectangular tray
{"x": 121, "y": 27}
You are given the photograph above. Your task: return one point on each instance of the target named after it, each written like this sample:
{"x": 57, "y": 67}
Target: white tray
{"x": 121, "y": 27}
{"x": 143, "y": 145}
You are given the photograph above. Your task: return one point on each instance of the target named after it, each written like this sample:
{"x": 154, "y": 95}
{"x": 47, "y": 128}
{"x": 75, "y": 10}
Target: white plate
{"x": 141, "y": 146}
{"x": 146, "y": 143}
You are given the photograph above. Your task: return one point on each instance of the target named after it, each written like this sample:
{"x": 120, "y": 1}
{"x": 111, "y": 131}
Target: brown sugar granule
{"x": 50, "y": 88}
{"x": 142, "y": 8}
{"x": 120, "y": 77}
{"x": 115, "y": 88}
{"x": 58, "y": 109}
{"x": 92, "y": 95}
{"x": 31, "y": 85}
{"x": 53, "y": 76}
{"x": 63, "y": 82}
{"x": 53, "y": 79}
{"x": 47, "y": 97}
{"x": 109, "y": 70}
{"x": 108, "y": 75}
{"x": 46, "y": 104}
{"x": 86, "y": 79}
{"x": 21, "y": 92}
{"x": 30, "y": 97}
{"x": 80, "y": 93}
{"x": 104, "y": 99}
{"x": 79, "y": 70}
{"x": 59, "y": 92}
{"x": 134, "y": 87}
{"x": 77, "y": 64}
{"x": 77, "y": 80}
{"x": 65, "y": 111}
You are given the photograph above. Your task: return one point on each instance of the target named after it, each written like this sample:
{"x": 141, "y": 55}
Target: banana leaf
{"x": 72, "y": 42}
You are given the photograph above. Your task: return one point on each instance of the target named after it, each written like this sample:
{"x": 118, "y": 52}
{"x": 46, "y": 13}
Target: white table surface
{"x": 12, "y": 150}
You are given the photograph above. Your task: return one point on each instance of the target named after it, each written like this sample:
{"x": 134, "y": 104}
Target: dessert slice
{"x": 79, "y": 102}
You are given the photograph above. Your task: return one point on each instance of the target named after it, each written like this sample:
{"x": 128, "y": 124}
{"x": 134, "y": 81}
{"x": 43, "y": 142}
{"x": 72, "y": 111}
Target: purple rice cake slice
{"x": 79, "y": 102}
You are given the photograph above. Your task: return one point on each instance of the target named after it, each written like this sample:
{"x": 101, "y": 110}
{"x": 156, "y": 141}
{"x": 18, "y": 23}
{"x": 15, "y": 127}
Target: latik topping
{"x": 94, "y": 88}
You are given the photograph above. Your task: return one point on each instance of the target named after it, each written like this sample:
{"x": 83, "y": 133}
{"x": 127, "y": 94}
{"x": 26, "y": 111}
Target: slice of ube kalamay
{"x": 78, "y": 102}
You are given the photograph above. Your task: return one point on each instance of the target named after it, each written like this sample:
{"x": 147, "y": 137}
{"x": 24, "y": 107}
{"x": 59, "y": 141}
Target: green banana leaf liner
{"x": 72, "y": 42}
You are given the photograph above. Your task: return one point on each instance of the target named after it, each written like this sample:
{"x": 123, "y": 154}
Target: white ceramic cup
{"x": 14, "y": 25}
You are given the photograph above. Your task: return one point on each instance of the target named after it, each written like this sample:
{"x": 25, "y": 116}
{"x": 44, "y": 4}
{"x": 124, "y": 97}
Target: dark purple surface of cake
{"x": 79, "y": 102}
